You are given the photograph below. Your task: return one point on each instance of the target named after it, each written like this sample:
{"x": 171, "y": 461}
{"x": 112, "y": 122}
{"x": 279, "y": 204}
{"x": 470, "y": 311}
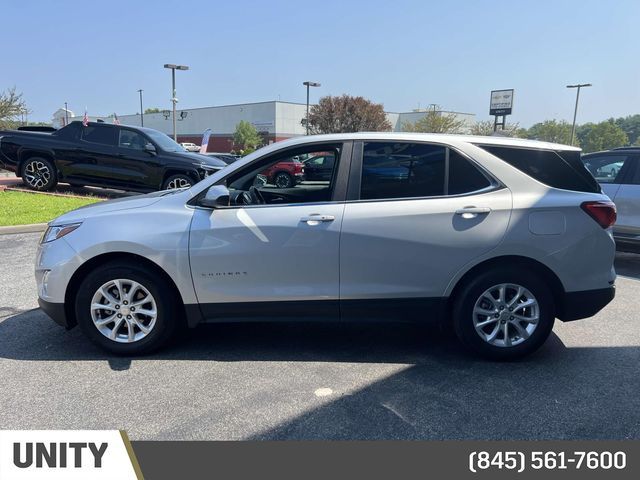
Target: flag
{"x": 85, "y": 119}
{"x": 115, "y": 119}
{"x": 205, "y": 140}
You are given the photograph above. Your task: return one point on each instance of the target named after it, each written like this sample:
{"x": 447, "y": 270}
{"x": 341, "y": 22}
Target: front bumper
{"x": 585, "y": 304}
{"x": 56, "y": 311}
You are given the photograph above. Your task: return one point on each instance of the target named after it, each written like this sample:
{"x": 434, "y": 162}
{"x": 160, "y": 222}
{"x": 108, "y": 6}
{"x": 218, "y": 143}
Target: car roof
{"x": 429, "y": 137}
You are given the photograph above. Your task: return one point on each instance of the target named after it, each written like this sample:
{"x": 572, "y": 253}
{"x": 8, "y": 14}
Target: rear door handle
{"x": 316, "y": 218}
{"x": 472, "y": 212}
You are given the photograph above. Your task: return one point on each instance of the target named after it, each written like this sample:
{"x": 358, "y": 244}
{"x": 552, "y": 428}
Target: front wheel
{"x": 503, "y": 314}
{"x": 283, "y": 180}
{"x": 39, "y": 174}
{"x": 178, "y": 181}
{"x": 127, "y": 310}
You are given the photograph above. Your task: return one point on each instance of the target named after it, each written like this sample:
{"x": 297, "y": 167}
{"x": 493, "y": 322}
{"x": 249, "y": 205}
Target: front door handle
{"x": 316, "y": 219}
{"x": 472, "y": 212}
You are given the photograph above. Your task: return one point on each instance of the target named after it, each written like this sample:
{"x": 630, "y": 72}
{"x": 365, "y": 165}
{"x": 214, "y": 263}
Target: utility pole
{"x": 309, "y": 84}
{"x": 66, "y": 114}
{"x": 578, "y": 86}
{"x": 174, "y": 99}
{"x": 141, "y": 111}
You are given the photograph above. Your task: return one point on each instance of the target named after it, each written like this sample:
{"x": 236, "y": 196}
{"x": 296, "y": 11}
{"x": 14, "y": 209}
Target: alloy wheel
{"x": 123, "y": 310}
{"x": 282, "y": 180}
{"x": 37, "y": 174}
{"x": 506, "y": 315}
{"x": 178, "y": 182}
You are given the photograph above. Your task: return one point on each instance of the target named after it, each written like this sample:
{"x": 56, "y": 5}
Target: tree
{"x": 246, "y": 137}
{"x": 436, "y": 121}
{"x": 346, "y": 114}
{"x": 551, "y": 131}
{"x": 603, "y": 136}
{"x": 485, "y": 128}
{"x": 631, "y": 126}
{"x": 11, "y": 107}
{"x": 152, "y": 110}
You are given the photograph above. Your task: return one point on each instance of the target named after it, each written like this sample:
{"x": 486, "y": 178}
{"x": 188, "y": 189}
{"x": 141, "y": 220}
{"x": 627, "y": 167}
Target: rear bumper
{"x": 586, "y": 303}
{"x": 56, "y": 311}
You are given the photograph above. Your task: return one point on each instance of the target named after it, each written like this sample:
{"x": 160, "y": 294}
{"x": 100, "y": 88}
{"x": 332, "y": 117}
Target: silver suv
{"x": 495, "y": 236}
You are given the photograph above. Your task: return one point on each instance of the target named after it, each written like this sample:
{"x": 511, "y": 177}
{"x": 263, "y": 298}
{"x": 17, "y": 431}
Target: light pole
{"x": 309, "y": 84}
{"x": 575, "y": 111}
{"x": 174, "y": 100}
{"x": 66, "y": 114}
{"x": 141, "y": 111}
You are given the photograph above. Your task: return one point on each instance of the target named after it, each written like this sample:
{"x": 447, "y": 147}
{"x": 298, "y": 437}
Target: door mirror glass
{"x": 216, "y": 196}
{"x": 150, "y": 148}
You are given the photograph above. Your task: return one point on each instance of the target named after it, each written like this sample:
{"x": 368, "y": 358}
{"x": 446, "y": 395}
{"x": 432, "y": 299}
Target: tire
{"x": 118, "y": 277}
{"x": 179, "y": 180}
{"x": 283, "y": 180}
{"x": 473, "y": 298}
{"x": 39, "y": 174}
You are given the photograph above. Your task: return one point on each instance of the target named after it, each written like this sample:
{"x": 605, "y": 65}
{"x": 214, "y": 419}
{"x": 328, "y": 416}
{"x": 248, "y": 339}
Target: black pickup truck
{"x": 104, "y": 155}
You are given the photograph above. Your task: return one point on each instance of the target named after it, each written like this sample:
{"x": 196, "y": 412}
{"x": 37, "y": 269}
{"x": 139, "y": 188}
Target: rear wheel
{"x": 39, "y": 174}
{"x": 127, "y": 310}
{"x": 504, "y": 314}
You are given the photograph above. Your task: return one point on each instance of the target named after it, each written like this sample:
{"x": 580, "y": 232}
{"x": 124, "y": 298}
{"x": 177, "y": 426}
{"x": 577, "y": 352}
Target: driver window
{"x": 292, "y": 177}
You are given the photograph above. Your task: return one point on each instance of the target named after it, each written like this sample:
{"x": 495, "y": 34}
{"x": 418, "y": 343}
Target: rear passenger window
{"x": 402, "y": 170}
{"x": 562, "y": 169}
{"x": 99, "y": 134}
{"x": 409, "y": 170}
{"x": 464, "y": 176}
{"x": 605, "y": 168}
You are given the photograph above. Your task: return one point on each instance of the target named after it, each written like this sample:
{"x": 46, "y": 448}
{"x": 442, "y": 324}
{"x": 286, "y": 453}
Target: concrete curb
{"x": 32, "y": 228}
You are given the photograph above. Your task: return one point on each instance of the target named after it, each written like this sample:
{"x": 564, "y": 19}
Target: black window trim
{"x": 338, "y": 194}
{"x": 355, "y": 175}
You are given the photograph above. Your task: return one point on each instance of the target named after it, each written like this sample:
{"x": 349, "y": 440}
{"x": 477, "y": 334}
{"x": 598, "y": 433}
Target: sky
{"x": 403, "y": 54}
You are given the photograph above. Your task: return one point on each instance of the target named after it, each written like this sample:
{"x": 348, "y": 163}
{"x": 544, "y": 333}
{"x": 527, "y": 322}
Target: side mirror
{"x": 150, "y": 148}
{"x": 216, "y": 196}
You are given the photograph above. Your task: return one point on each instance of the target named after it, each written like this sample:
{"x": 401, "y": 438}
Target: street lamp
{"x": 141, "y": 111}
{"x": 174, "y": 100}
{"x": 309, "y": 84}
{"x": 575, "y": 112}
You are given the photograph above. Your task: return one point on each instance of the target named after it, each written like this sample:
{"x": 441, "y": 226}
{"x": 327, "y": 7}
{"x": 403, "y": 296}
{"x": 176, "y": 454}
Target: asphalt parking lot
{"x": 292, "y": 381}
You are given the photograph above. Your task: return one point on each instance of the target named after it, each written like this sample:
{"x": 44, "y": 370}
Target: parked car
{"x": 286, "y": 173}
{"x": 190, "y": 147}
{"x": 103, "y": 155}
{"x": 494, "y": 236}
{"x": 618, "y": 172}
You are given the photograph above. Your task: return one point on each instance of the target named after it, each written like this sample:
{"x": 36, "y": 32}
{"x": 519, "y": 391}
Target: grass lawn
{"x": 22, "y": 208}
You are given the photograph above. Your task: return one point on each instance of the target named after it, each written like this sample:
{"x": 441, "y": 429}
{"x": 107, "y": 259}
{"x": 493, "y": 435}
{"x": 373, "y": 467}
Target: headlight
{"x": 58, "y": 231}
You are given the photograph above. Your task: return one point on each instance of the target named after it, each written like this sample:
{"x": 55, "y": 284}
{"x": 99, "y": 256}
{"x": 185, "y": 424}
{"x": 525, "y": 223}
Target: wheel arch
{"x": 513, "y": 261}
{"x": 193, "y": 175}
{"x": 30, "y": 153}
{"x": 81, "y": 273}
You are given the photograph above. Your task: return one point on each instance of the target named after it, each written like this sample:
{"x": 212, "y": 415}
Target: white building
{"x": 274, "y": 120}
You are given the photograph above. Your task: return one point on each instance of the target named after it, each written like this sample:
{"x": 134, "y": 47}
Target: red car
{"x": 285, "y": 174}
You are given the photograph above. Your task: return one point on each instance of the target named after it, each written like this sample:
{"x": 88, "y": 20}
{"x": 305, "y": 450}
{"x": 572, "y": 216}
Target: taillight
{"x": 602, "y": 212}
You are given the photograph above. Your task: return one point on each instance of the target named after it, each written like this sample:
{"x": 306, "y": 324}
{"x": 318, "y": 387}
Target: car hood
{"x": 126, "y": 203}
{"x": 197, "y": 158}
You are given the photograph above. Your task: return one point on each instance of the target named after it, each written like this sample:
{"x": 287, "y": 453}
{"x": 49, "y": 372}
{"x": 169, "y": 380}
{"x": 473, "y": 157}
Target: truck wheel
{"x": 504, "y": 314}
{"x": 178, "y": 181}
{"x": 126, "y": 309}
{"x": 39, "y": 174}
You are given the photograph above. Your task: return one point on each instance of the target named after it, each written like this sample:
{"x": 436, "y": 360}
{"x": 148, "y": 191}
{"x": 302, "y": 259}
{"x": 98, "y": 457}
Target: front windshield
{"x": 164, "y": 142}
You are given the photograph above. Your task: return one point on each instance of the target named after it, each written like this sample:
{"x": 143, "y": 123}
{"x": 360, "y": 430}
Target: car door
{"x": 275, "y": 260}
{"x": 135, "y": 167}
{"x": 416, "y": 214}
{"x": 627, "y": 200}
{"x": 615, "y": 171}
{"x": 92, "y": 160}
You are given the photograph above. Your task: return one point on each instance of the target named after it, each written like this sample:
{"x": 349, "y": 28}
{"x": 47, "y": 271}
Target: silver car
{"x": 618, "y": 172}
{"x": 496, "y": 237}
